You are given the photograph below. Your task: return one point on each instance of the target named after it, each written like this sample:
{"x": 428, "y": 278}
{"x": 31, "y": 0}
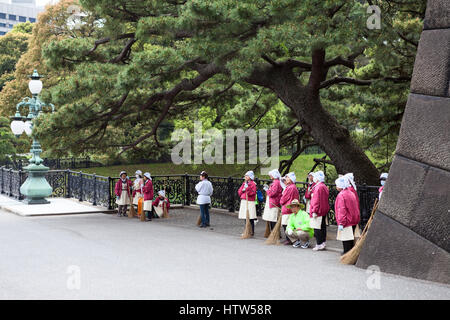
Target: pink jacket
{"x": 250, "y": 191}
{"x": 308, "y": 191}
{"x": 158, "y": 199}
{"x": 319, "y": 200}
{"x": 346, "y": 208}
{"x": 118, "y": 187}
{"x": 356, "y": 195}
{"x": 274, "y": 193}
{"x": 289, "y": 194}
{"x": 148, "y": 190}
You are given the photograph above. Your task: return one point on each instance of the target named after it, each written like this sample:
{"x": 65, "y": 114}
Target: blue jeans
{"x": 204, "y": 213}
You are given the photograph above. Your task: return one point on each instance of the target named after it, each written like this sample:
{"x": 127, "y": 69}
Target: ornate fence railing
{"x": 180, "y": 189}
{"x": 55, "y": 164}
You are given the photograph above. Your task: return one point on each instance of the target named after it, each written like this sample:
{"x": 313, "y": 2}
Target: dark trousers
{"x": 149, "y": 214}
{"x": 272, "y": 225}
{"x": 287, "y": 238}
{"x": 348, "y": 245}
{"x": 321, "y": 234}
{"x": 204, "y": 213}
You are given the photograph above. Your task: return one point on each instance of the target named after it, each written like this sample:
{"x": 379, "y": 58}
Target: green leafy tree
{"x": 152, "y": 60}
{"x": 7, "y": 148}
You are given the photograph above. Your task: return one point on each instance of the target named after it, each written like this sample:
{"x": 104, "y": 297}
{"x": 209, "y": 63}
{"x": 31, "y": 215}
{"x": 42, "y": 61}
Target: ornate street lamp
{"x": 36, "y": 187}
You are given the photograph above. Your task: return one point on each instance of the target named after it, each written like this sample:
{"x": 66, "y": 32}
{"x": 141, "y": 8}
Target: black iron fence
{"x": 180, "y": 189}
{"x": 54, "y": 164}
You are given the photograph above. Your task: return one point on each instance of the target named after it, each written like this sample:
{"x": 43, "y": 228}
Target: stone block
{"x": 403, "y": 189}
{"x": 431, "y": 74}
{"x": 396, "y": 249}
{"x": 425, "y": 131}
{"x": 437, "y": 14}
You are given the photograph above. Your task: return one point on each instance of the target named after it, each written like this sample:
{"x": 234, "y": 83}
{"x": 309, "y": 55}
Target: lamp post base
{"x": 36, "y": 187}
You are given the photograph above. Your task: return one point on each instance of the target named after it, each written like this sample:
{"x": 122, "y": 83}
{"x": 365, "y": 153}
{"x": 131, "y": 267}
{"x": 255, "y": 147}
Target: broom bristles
{"x": 199, "y": 220}
{"x": 274, "y": 237}
{"x": 132, "y": 212}
{"x": 248, "y": 228}
{"x": 142, "y": 216}
{"x": 352, "y": 256}
{"x": 267, "y": 233}
{"x": 165, "y": 212}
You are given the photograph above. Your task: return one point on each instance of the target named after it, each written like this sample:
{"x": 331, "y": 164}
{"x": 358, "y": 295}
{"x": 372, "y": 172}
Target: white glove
{"x": 340, "y": 228}
{"x": 314, "y": 215}
{"x": 266, "y": 187}
{"x": 245, "y": 187}
{"x": 289, "y": 232}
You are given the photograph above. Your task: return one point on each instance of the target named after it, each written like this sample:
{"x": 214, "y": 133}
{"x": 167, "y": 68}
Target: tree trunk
{"x": 333, "y": 138}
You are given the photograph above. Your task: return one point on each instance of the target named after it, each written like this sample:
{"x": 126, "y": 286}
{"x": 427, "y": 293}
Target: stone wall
{"x": 410, "y": 231}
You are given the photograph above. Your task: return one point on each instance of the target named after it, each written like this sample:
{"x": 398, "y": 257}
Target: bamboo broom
{"x": 274, "y": 237}
{"x": 267, "y": 232}
{"x": 132, "y": 212}
{"x": 248, "y": 228}
{"x": 165, "y": 212}
{"x": 352, "y": 256}
{"x": 142, "y": 216}
{"x": 199, "y": 220}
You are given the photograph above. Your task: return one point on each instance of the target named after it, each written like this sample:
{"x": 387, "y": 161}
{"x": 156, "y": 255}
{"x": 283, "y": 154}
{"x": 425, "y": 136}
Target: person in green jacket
{"x": 298, "y": 229}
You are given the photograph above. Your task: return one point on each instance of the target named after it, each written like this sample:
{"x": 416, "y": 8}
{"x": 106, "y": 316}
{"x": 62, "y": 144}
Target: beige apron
{"x": 270, "y": 214}
{"x": 346, "y": 234}
{"x": 285, "y": 219}
{"x": 316, "y": 223}
{"x": 148, "y": 205}
{"x": 124, "y": 199}
{"x": 251, "y": 209}
{"x": 159, "y": 209}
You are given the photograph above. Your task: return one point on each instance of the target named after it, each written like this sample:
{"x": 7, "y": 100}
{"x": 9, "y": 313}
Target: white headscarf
{"x": 384, "y": 175}
{"x": 350, "y": 178}
{"x": 147, "y": 174}
{"x": 275, "y": 173}
{"x": 250, "y": 174}
{"x": 138, "y": 172}
{"x": 319, "y": 176}
{"x": 291, "y": 175}
{"x": 342, "y": 183}
{"x": 162, "y": 193}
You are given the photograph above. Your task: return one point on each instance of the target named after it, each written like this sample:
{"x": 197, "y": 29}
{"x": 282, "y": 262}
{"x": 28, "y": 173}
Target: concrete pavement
{"x": 120, "y": 258}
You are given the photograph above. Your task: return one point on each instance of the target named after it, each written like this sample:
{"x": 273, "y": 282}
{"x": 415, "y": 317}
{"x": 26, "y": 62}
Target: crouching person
{"x": 298, "y": 229}
{"x": 160, "y": 203}
{"x": 122, "y": 191}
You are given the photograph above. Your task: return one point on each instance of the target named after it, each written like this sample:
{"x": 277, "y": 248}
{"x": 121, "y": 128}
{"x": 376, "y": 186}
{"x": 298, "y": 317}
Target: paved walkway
{"x": 120, "y": 258}
{"x": 57, "y": 206}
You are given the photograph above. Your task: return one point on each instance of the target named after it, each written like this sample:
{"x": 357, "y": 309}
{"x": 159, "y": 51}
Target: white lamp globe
{"x": 35, "y": 86}
{"x": 27, "y": 128}
{"x": 17, "y": 127}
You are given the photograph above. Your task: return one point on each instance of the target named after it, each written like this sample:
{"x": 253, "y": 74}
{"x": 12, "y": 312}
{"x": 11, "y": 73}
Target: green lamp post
{"x": 36, "y": 187}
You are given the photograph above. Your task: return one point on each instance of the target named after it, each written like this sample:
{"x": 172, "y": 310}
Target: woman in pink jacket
{"x": 273, "y": 192}
{"x": 147, "y": 189}
{"x": 122, "y": 191}
{"x": 318, "y": 210}
{"x": 289, "y": 194}
{"x": 247, "y": 194}
{"x": 347, "y": 213}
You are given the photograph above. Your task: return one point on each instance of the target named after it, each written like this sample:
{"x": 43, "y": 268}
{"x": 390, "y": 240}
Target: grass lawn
{"x": 301, "y": 167}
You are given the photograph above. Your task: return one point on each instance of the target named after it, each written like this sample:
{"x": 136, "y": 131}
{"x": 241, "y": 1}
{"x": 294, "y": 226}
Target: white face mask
{"x": 383, "y": 182}
{"x": 137, "y": 176}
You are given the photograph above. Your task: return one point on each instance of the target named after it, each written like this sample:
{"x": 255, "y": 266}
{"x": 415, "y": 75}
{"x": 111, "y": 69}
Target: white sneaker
{"x": 316, "y": 248}
{"x": 322, "y": 246}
